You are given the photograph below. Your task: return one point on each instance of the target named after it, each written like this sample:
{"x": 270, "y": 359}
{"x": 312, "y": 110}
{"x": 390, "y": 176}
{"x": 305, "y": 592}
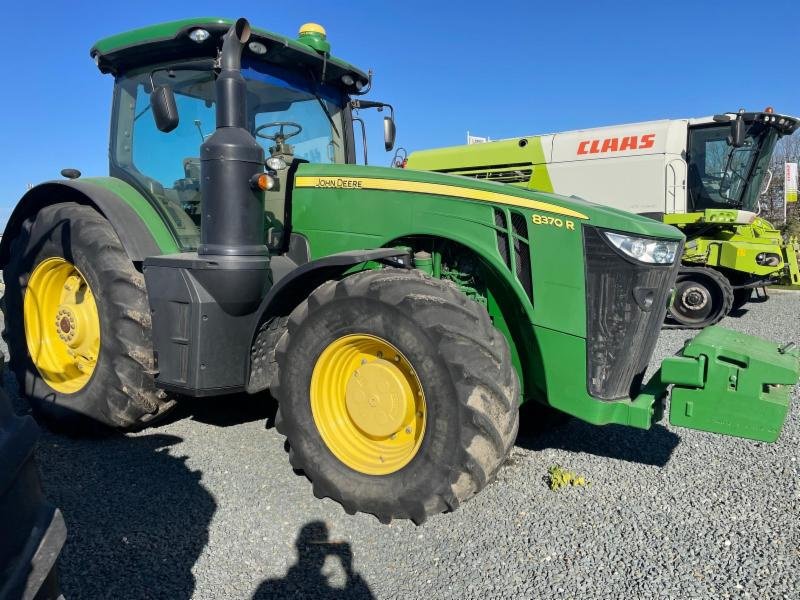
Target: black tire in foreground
{"x": 703, "y": 297}
{"x": 32, "y": 531}
{"x": 464, "y": 370}
{"x": 120, "y": 392}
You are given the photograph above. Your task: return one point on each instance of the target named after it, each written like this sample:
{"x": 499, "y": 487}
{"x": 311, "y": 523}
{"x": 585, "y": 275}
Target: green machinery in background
{"x": 704, "y": 176}
{"x": 399, "y": 317}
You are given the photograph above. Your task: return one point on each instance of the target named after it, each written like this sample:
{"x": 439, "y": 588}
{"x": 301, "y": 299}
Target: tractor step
{"x": 731, "y": 383}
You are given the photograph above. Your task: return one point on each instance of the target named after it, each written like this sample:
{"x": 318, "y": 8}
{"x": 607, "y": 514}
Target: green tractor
{"x": 400, "y": 318}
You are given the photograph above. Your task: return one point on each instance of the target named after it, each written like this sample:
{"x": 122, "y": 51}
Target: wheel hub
{"x": 376, "y": 398}
{"x": 62, "y": 325}
{"x": 694, "y": 298}
{"x": 368, "y": 404}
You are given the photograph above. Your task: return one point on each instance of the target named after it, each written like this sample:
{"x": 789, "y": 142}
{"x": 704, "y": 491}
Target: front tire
{"x": 703, "y": 297}
{"x": 77, "y": 323}
{"x": 396, "y": 394}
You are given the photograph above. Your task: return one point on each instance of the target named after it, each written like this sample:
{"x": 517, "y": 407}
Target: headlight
{"x": 646, "y": 250}
{"x": 276, "y": 163}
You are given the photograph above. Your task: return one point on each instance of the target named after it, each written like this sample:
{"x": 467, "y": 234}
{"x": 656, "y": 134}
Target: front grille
{"x": 620, "y": 334}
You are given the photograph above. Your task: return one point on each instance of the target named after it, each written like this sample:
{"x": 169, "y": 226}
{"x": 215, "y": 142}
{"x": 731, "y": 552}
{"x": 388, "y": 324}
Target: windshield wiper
{"x": 322, "y": 102}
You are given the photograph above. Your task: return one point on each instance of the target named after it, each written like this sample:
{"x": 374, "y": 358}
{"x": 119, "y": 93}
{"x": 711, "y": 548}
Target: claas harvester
{"x": 703, "y": 175}
{"x": 400, "y": 318}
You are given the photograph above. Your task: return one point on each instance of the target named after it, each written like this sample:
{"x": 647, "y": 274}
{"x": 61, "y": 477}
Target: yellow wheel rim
{"x": 62, "y": 326}
{"x": 368, "y": 404}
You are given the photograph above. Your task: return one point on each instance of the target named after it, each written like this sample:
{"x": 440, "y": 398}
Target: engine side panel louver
{"x": 514, "y": 244}
{"x": 506, "y": 173}
{"x": 520, "y": 225}
{"x": 502, "y": 236}
{"x": 522, "y": 261}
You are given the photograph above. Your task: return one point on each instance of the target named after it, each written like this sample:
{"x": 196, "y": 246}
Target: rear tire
{"x": 120, "y": 391}
{"x": 703, "y": 297}
{"x": 468, "y": 385}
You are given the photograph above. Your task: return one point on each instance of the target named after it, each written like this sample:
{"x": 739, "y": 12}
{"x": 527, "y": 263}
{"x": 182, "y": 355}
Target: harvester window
{"x": 723, "y": 176}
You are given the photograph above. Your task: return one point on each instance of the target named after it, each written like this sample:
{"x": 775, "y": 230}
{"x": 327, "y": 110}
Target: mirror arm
{"x": 372, "y": 104}
{"x": 363, "y": 136}
{"x": 204, "y": 64}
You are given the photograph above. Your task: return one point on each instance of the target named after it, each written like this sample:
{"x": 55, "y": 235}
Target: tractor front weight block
{"x": 731, "y": 383}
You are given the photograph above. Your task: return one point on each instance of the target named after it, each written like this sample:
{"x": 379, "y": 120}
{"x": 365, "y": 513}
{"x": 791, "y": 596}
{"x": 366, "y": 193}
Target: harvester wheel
{"x": 396, "y": 394}
{"x": 703, "y": 297}
{"x": 77, "y": 323}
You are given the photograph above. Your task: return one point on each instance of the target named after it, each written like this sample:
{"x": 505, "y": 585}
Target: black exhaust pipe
{"x": 233, "y": 212}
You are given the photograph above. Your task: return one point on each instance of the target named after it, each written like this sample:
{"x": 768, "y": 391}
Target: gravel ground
{"x": 207, "y": 506}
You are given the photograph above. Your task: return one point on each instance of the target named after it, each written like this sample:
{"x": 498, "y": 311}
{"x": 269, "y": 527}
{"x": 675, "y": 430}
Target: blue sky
{"x": 496, "y": 68}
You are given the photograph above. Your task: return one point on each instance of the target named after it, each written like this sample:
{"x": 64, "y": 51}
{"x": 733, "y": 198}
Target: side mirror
{"x": 165, "y": 111}
{"x": 389, "y": 133}
{"x": 738, "y": 133}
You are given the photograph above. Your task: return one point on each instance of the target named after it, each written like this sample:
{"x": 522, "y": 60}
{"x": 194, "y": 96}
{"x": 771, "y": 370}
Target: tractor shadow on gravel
{"x": 137, "y": 516}
{"x": 308, "y": 578}
{"x": 649, "y": 447}
{"x": 224, "y": 411}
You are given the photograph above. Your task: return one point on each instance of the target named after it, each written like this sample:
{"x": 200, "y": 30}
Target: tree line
{"x": 786, "y": 150}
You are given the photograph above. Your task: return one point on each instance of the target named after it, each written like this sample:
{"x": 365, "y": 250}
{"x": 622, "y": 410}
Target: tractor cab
{"x": 298, "y": 110}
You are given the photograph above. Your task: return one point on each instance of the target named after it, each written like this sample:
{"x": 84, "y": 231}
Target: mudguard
{"x": 141, "y": 231}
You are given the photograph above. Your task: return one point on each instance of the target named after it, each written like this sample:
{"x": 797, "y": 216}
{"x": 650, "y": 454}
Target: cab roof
{"x": 167, "y": 42}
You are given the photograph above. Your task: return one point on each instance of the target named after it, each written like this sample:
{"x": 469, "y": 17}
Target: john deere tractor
{"x": 399, "y": 317}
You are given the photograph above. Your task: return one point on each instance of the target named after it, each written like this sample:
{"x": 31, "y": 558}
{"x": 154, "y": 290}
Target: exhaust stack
{"x": 233, "y": 212}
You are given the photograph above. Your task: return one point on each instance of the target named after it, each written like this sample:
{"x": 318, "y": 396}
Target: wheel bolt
{"x": 408, "y": 430}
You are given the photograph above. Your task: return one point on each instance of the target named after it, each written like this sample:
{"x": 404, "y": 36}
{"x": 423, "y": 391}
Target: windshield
{"x": 721, "y": 176}
{"x": 166, "y": 166}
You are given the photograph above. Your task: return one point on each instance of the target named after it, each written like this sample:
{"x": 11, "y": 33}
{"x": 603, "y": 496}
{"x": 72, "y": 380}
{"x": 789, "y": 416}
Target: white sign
{"x": 476, "y": 139}
{"x": 790, "y": 183}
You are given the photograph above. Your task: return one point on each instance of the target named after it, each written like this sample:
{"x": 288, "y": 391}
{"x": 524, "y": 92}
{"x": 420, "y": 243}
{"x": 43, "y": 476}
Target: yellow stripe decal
{"x": 439, "y": 189}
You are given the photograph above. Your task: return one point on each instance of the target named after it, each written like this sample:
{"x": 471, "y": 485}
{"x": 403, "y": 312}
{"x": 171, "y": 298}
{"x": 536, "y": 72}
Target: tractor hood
{"x": 468, "y": 188}
{"x": 201, "y": 37}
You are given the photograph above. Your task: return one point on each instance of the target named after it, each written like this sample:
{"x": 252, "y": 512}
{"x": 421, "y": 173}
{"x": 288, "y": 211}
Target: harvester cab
{"x": 399, "y": 317}
{"x": 705, "y": 176}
